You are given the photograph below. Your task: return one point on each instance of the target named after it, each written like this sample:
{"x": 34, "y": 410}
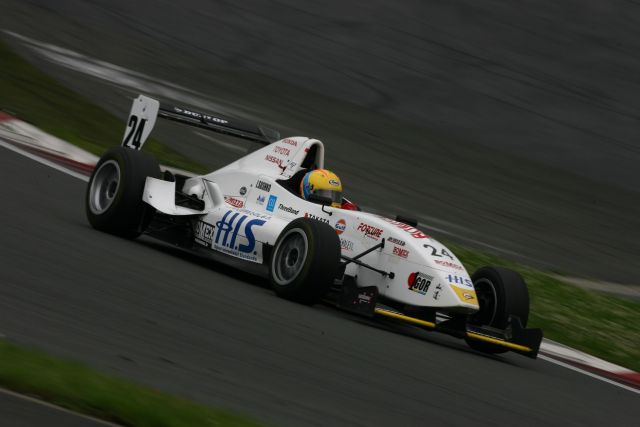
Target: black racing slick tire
{"x": 305, "y": 261}
{"x": 501, "y": 293}
{"x": 113, "y": 200}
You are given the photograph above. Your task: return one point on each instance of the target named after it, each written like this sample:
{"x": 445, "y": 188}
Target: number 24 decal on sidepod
{"x": 434, "y": 252}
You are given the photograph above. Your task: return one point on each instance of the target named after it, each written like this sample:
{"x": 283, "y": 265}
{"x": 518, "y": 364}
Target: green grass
{"x": 77, "y": 387}
{"x": 38, "y": 99}
{"x": 599, "y": 324}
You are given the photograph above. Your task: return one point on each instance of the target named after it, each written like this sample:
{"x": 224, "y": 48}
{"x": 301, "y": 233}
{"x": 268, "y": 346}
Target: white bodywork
{"x": 247, "y": 207}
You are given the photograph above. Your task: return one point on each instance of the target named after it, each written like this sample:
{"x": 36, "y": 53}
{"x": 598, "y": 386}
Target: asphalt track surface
{"x": 514, "y": 124}
{"x": 147, "y": 312}
{"x": 16, "y": 411}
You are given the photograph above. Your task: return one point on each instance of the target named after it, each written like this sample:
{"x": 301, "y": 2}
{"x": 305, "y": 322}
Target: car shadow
{"x": 380, "y": 323}
{"x": 203, "y": 261}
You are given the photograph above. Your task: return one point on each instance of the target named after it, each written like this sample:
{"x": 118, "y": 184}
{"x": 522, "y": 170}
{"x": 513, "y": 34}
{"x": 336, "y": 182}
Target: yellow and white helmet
{"x": 322, "y": 182}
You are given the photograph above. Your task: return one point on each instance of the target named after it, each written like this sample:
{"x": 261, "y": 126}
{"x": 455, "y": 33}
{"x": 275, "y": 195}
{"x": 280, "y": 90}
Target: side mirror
{"x": 409, "y": 221}
{"x": 321, "y": 200}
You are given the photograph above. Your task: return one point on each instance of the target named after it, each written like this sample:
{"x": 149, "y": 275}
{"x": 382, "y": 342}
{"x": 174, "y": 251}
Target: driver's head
{"x": 322, "y": 182}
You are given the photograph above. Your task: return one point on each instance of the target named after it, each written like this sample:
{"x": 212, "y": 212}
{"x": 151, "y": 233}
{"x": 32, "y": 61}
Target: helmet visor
{"x": 335, "y": 196}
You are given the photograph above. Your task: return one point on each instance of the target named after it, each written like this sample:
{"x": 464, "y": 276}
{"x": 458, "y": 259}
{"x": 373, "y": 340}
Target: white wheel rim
{"x": 289, "y": 257}
{"x": 104, "y": 187}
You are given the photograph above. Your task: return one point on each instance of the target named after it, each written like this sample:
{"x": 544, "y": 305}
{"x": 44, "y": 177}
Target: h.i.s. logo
{"x": 234, "y": 236}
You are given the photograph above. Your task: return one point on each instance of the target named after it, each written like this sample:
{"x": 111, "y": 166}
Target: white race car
{"x": 250, "y": 214}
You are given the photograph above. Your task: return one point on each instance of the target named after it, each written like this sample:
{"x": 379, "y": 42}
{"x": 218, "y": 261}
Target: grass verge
{"x": 601, "y": 325}
{"x": 35, "y": 97}
{"x": 79, "y": 388}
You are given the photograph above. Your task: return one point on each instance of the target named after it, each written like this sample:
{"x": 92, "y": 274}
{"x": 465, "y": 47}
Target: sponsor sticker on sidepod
{"x": 234, "y": 236}
{"x": 234, "y": 201}
{"x": 203, "y": 233}
{"x": 370, "y": 231}
{"x": 419, "y": 282}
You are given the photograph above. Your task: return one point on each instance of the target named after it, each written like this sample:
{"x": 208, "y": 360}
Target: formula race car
{"x": 250, "y": 214}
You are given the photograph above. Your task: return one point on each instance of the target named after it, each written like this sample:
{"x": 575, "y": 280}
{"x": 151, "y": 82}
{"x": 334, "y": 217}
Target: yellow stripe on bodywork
{"x": 472, "y": 335}
{"x": 465, "y": 295}
{"x": 404, "y": 318}
{"x": 496, "y": 341}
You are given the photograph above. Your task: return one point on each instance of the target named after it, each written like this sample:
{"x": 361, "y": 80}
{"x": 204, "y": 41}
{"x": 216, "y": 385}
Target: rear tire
{"x": 113, "y": 200}
{"x": 501, "y": 293}
{"x": 305, "y": 261}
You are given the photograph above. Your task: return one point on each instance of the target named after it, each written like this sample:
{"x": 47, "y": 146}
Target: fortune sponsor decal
{"x": 370, "y": 230}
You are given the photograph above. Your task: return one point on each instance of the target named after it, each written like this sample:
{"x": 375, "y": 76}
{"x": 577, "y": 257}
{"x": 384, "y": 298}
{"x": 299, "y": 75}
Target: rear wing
{"x": 145, "y": 110}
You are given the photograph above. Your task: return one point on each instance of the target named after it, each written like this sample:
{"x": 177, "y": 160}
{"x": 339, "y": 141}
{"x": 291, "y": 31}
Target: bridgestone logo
{"x": 288, "y": 209}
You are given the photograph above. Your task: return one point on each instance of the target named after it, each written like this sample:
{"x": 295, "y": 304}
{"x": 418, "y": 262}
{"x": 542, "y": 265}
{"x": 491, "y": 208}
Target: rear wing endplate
{"x": 145, "y": 110}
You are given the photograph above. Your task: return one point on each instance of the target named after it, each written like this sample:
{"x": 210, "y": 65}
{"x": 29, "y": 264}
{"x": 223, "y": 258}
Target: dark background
{"x": 508, "y": 123}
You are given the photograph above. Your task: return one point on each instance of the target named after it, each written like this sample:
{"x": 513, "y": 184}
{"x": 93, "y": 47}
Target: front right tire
{"x": 501, "y": 293}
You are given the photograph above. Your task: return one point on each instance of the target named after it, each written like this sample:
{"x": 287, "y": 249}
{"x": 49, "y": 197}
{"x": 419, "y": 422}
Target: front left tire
{"x": 305, "y": 261}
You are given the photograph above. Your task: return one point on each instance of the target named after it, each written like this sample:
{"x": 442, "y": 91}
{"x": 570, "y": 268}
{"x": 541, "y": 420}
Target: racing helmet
{"x": 322, "y": 182}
